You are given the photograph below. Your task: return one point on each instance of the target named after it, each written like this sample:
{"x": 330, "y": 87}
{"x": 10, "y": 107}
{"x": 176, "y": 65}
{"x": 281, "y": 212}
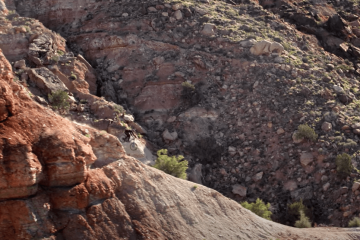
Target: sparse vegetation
{"x": 295, "y": 208}
{"x": 303, "y": 222}
{"x": 305, "y": 131}
{"x": 173, "y": 165}
{"x": 73, "y": 76}
{"x": 259, "y": 208}
{"x": 119, "y": 109}
{"x": 59, "y": 100}
{"x": 343, "y": 164}
{"x": 355, "y": 222}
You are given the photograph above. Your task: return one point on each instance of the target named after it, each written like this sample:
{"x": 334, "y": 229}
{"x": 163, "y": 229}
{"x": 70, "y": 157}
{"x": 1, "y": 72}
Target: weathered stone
{"x": 344, "y": 190}
{"x": 178, "y": 15}
{"x": 128, "y": 118}
{"x": 46, "y": 81}
{"x": 302, "y": 193}
{"x": 356, "y": 125}
{"x": 20, "y": 64}
{"x": 326, "y": 186}
{"x": 266, "y": 47}
{"x": 338, "y": 89}
{"x": 261, "y": 48}
{"x": 355, "y": 186}
{"x": 232, "y": 150}
{"x": 239, "y": 189}
{"x": 258, "y": 176}
{"x": 195, "y": 174}
{"x": 247, "y": 43}
{"x": 276, "y": 48}
{"x": 326, "y": 126}
{"x": 347, "y": 213}
{"x": 223, "y": 171}
{"x": 306, "y": 158}
{"x": 290, "y": 185}
{"x": 169, "y": 136}
{"x": 208, "y": 29}
{"x": 152, "y": 10}
{"x": 280, "y": 131}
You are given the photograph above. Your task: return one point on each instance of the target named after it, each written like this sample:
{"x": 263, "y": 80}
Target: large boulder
{"x": 46, "y": 81}
{"x": 266, "y": 47}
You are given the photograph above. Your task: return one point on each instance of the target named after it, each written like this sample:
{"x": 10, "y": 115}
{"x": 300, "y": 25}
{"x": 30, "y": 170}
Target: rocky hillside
{"x": 224, "y": 83}
{"x": 51, "y": 188}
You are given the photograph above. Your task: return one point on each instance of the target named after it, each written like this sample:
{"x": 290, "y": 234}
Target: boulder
{"x": 169, "y": 136}
{"x": 266, "y": 47}
{"x": 195, "y": 174}
{"x": 355, "y": 186}
{"x": 290, "y": 185}
{"x": 178, "y": 15}
{"x": 326, "y": 126}
{"x": 306, "y": 158}
{"x": 258, "y": 176}
{"x": 128, "y": 118}
{"x": 208, "y": 29}
{"x": 20, "y": 64}
{"x": 239, "y": 190}
{"x": 46, "y": 81}
{"x": 326, "y": 186}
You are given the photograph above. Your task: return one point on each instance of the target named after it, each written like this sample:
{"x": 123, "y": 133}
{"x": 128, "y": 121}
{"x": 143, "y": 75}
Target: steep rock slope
{"x": 239, "y": 117}
{"x": 49, "y": 191}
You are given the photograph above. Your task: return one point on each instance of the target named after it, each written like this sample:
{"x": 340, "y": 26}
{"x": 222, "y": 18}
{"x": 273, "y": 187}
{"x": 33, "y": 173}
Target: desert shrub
{"x": 259, "y": 208}
{"x": 305, "y": 131}
{"x": 73, "y": 76}
{"x": 343, "y": 164}
{"x": 173, "y": 165}
{"x": 293, "y": 211}
{"x": 355, "y": 222}
{"x": 296, "y": 207}
{"x": 348, "y": 144}
{"x": 59, "y": 100}
{"x": 303, "y": 222}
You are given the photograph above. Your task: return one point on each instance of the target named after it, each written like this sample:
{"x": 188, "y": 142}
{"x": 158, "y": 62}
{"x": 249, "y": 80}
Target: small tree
{"x": 355, "y": 222}
{"x": 305, "y": 131}
{"x": 343, "y": 164}
{"x": 303, "y": 222}
{"x": 259, "y": 208}
{"x": 59, "y": 100}
{"x": 173, "y": 165}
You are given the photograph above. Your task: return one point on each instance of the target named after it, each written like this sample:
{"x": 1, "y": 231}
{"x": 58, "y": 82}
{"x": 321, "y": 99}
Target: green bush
{"x": 355, "y": 222}
{"x": 259, "y": 208}
{"x": 173, "y": 165}
{"x": 305, "y": 131}
{"x": 295, "y": 208}
{"x": 303, "y": 222}
{"x": 59, "y": 100}
{"x": 343, "y": 164}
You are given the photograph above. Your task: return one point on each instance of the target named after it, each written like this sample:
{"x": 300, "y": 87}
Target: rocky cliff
{"x": 49, "y": 189}
{"x": 225, "y": 85}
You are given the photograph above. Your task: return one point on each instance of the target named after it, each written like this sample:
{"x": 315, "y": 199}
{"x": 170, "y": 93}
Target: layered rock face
{"x": 204, "y": 83}
{"x": 49, "y": 191}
